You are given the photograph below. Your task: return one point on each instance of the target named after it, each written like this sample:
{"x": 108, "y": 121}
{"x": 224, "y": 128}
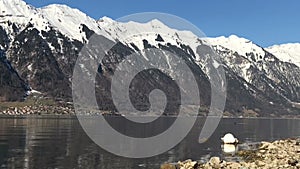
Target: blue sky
{"x": 266, "y": 22}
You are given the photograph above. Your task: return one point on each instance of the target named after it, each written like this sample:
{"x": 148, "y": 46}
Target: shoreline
{"x": 67, "y": 111}
{"x": 283, "y": 153}
{"x": 36, "y": 116}
{"x": 48, "y": 107}
{"x": 73, "y": 114}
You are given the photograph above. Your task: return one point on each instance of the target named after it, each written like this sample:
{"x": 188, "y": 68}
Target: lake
{"x": 56, "y": 142}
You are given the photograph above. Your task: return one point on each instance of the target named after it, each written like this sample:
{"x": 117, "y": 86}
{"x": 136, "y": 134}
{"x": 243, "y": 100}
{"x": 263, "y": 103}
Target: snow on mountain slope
{"x": 242, "y": 56}
{"x": 240, "y": 45}
{"x": 238, "y": 53}
{"x": 261, "y": 71}
{"x": 67, "y": 20}
{"x": 134, "y": 32}
{"x": 257, "y": 66}
{"x": 16, "y": 11}
{"x": 287, "y": 52}
{"x": 20, "y": 13}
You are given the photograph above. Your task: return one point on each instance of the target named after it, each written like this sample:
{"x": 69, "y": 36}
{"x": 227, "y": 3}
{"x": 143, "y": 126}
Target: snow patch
{"x": 29, "y": 67}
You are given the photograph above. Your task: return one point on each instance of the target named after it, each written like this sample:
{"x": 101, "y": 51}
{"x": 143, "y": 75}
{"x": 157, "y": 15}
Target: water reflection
{"x": 229, "y": 148}
{"x": 61, "y": 143}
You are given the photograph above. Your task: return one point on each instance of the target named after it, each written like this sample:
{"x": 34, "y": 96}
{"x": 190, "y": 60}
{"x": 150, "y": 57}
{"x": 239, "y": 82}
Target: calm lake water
{"x": 61, "y": 143}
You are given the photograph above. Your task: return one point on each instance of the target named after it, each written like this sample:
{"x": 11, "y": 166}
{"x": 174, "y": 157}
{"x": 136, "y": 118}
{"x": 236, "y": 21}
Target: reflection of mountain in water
{"x": 61, "y": 143}
{"x": 55, "y": 143}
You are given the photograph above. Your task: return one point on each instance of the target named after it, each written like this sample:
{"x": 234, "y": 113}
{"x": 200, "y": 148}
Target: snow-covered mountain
{"x": 67, "y": 20}
{"x": 133, "y": 32}
{"x": 41, "y": 45}
{"x": 287, "y": 52}
{"x": 258, "y": 67}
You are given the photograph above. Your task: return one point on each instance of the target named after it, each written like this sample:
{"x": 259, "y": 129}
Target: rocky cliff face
{"x": 40, "y": 47}
{"x": 13, "y": 87}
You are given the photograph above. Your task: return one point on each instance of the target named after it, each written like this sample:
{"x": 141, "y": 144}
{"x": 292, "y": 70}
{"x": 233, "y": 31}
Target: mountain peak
{"x": 69, "y": 20}
{"x": 289, "y": 52}
{"x": 104, "y": 21}
{"x": 106, "y": 18}
{"x": 14, "y": 8}
{"x": 62, "y": 9}
{"x": 156, "y": 22}
{"x": 14, "y": 5}
{"x": 233, "y": 39}
{"x": 20, "y": 13}
{"x": 286, "y": 45}
{"x": 239, "y": 44}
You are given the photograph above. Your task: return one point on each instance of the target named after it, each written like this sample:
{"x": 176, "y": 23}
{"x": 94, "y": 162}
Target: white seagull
{"x": 229, "y": 139}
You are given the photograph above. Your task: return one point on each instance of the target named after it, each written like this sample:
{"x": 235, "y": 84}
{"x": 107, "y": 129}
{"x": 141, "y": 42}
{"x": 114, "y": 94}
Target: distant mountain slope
{"x": 287, "y": 52}
{"x": 259, "y": 67}
{"x": 42, "y": 45}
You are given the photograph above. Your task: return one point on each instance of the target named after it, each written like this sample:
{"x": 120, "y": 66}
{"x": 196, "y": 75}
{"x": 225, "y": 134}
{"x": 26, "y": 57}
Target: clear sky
{"x": 266, "y": 22}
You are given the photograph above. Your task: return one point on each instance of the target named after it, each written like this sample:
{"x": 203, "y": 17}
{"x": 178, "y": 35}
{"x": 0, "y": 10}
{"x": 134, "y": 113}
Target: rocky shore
{"x": 56, "y": 108}
{"x": 38, "y": 110}
{"x": 284, "y": 154}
